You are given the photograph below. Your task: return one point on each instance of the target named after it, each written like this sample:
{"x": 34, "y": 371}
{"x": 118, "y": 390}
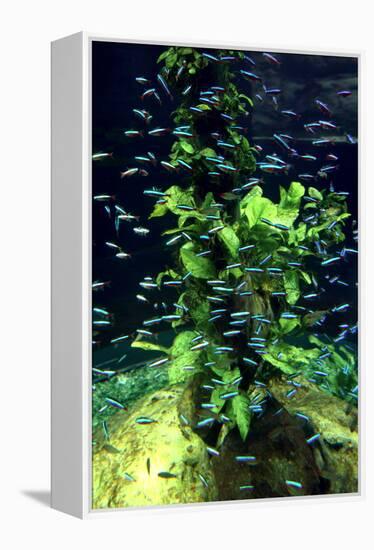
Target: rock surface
{"x": 336, "y": 452}
{"x": 277, "y": 439}
{"x": 278, "y": 444}
{"x": 145, "y": 450}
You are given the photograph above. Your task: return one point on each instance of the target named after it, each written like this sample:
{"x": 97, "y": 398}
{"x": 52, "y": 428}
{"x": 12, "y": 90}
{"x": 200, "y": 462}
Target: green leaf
{"x": 187, "y": 146}
{"x": 209, "y": 198}
{"x": 149, "y": 346}
{"x": 225, "y": 429}
{"x": 340, "y": 367}
{"x": 291, "y": 199}
{"x": 182, "y": 356}
{"x": 242, "y": 414}
{"x": 204, "y": 107}
{"x": 297, "y": 235}
{"x": 255, "y": 191}
{"x": 291, "y": 286}
{"x": 289, "y": 205}
{"x": 260, "y": 207}
{"x": 307, "y": 278}
{"x": 314, "y": 231}
{"x": 288, "y": 325}
{"x": 222, "y": 364}
{"x": 159, "y": 210}
{"x": 174, "y": 196}
{"x": 215, "y": 398}
{"x": 236, "y": 273}
{"x": 163, "y": 55}
{"x": 230, "y": 240}
{"x": 314, "y": 340}
{"x": 198, "y": 306}
{"x": 290, "y": 359}
{"x": 227, "y": 376}
{"x": 192, "y": 227}
{"x": 170, "y": 273}
{"x": 171, "y": 60}
{"x": 185, "y": 51}
{"x": 237, "y": 138}
{"x": 184, "y": 217}
{"x": 315, "y": 194}
{"x": 208, "y": 152}
{"x": 248, "y": 99}
{"x": 245, "y": 146}
{"x": 199, "y": 266}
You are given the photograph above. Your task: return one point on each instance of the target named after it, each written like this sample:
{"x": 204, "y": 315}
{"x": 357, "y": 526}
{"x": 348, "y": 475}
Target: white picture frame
{"x": 71, "y": 277}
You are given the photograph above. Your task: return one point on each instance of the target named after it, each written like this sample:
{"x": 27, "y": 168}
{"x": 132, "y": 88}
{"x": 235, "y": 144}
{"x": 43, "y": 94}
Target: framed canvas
{"x": 204, "y": 275}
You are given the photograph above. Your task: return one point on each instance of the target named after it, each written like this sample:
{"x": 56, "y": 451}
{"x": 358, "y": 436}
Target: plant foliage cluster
{"x": 243, "y": 263}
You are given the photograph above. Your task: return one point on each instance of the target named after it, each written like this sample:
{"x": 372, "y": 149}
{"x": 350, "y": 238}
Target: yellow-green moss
{"x": 168, "y": 446}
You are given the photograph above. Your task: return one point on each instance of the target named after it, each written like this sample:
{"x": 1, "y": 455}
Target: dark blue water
{"x": 302, "y": 79}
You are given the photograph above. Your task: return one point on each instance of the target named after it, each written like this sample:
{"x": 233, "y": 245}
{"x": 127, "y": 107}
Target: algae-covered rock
{"x": 136, "y": 464}
{"x": 125, "y": 388}
{"x": 336, "y": 451}
{"x": 278, "y": 444}
{"x": 278, "y": 440}
{"x": 128, "y": 463}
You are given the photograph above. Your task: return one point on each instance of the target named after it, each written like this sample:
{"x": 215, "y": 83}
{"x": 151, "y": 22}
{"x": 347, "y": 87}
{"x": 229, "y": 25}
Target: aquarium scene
{"x": 224, "y": 275}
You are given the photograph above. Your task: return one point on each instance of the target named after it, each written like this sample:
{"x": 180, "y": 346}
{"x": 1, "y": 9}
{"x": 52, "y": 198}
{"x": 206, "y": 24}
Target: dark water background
{"x": 302, "y": 78}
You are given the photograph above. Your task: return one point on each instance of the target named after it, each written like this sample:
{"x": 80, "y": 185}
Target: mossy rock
{"x": 127, "y": 388}
{"x": 278, "y": 443}
{"x": 145, "y": 450}
{"x": 336, "y": 451}
{"x": 278, "y": 440}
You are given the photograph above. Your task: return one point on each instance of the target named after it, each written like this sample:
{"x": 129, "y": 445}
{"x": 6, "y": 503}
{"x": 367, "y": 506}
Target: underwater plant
{"x": 243, "y": 290}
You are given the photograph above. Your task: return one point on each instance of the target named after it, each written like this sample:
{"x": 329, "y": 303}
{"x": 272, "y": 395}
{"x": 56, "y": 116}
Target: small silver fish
{"x": 142, "y": 231}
